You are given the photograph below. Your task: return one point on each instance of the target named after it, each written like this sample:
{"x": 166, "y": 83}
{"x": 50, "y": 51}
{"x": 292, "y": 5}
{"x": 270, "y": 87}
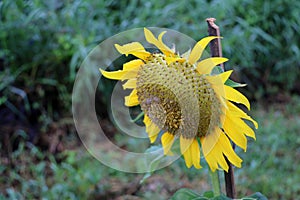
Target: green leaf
{"x": 221, "y": 197}
{"x": 231, "y": 83}
{"x": 255, "y": 196}
{"x": 187, "y": 194}
{"x": 208, "y": 194}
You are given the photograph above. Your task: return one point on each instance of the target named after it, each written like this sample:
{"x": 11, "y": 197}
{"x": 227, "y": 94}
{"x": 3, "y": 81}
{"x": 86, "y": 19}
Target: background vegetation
{"x": 42, "y": 44}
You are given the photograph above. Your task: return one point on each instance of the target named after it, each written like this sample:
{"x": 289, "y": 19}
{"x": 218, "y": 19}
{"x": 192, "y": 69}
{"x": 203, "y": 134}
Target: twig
{"x": 216, "y": 51}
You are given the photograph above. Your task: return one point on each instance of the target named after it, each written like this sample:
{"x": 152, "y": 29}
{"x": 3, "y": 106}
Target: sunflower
{"x": 183, "y": 97}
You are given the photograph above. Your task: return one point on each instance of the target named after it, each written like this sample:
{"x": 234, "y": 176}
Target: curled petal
{"x": 158, "y": 42}
{"x": 198, "y": 49}
{"x": 133, "y": 48}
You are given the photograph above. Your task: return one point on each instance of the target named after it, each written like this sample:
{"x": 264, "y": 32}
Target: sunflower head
{"x": 181, "y": 97}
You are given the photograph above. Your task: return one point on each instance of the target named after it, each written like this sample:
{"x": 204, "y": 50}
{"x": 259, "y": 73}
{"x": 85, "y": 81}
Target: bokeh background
{"x": 42, "y": 44}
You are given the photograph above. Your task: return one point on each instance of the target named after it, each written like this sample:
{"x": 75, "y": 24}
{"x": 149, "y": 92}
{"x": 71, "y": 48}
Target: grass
{"x": 271, "y": 166}
{"x": 272, "y": 163}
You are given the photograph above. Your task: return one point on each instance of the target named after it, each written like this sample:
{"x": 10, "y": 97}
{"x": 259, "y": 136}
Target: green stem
{"x": 215, "y": 182}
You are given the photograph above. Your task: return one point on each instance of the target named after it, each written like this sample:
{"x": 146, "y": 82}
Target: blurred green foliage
{"x": 43, "y": 42}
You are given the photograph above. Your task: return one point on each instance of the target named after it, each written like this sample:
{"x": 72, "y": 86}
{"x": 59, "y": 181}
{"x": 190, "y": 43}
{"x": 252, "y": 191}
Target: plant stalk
{"x": 215, "y": 180}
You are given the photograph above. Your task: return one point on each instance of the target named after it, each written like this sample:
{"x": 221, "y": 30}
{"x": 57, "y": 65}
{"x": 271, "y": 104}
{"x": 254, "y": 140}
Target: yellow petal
{"x": 134, "y": 48}
{"x": 141, "y": 55}
{"x": 195, "y": 152}
{"x": 167, "y": 140}
{"x": 241, "y": 126}
{"x": 151, "y": 129}
{"x": 235, "y": 134}
{"x": 120, "y": 74}
{"x": 130, "y": 84}
{"x": 173, "y": 59}
{"x": 185, "y": 145}
{"x": 229, "y": 152}
{"x": 246, "y": 129}
{"x": 208, "y": 144}
{"x": 158, "y": 42}
{"x": 129, "y": 48}
{"x": 218, "y": 87}
{"x": 225, "y": 75}
{"x": 147, "y": 121}
{"x": 209, "y": 141}
{"x": 132, "y": 99}
{"x": 234, "y": 95}
{"x": 235, "y": 111}
{"x": 215, "y": 155}
{"x": 133, "y": 64}
{"x": 198, "y": 49}
{"x": 206, "y": 66}
{"x": 211, "y": 161}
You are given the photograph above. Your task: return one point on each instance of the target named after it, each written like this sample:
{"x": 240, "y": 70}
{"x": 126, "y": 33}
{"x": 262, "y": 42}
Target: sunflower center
{"x": 177, "y": 98}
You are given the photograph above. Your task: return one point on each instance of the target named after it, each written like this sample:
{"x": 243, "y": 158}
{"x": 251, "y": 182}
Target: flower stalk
{"x": 215, "y": 180}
